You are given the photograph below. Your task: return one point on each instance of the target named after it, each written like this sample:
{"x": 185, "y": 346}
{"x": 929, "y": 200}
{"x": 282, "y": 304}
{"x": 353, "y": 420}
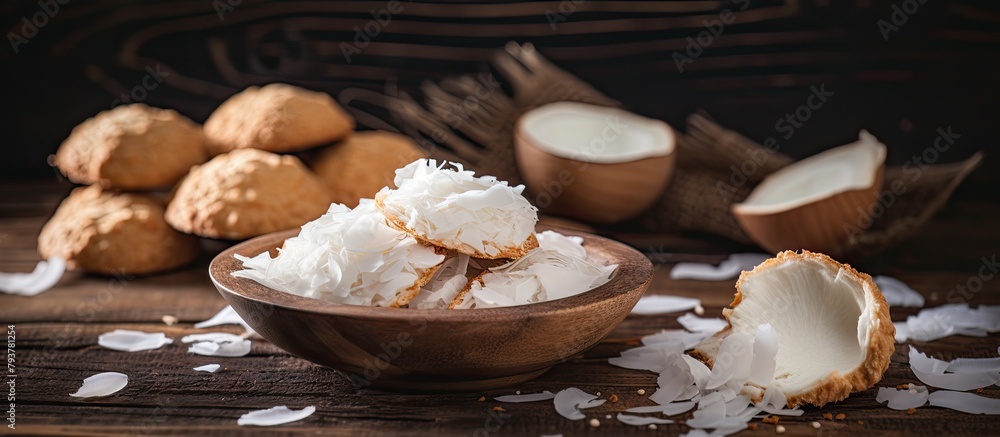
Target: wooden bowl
{"x": 435, "y": 350}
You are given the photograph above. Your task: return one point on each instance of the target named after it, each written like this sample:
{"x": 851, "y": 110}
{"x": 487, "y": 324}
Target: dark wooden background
{"x": 939, "y": 69}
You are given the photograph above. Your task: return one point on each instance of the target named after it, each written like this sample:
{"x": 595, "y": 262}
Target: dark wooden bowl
{"x": 436, "y": 350}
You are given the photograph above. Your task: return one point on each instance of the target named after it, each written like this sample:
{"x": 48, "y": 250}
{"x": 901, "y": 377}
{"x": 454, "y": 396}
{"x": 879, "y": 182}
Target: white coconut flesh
{"x": 841, "y": 169}
{"x": 830, "y": 322}
{"x": 595, "y": 134}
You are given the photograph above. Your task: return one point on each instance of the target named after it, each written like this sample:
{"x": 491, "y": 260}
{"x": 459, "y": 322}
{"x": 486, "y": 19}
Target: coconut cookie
{"x": 348, "y": 256}
{"x": 452, "y": 208}
{"x": 114, "y": 233}
{"x": 832, "y": 331}
{"x": 277, "y": 118}
{"x": 361, "y": 165}
{"x": 246, "y": 193}
{"x": 132, "y": 147}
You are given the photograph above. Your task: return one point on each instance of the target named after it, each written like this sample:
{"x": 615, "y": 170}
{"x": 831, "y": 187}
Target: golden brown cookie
{"x": 115, "y": 233}
{"x": 132, "y": 147}
{"x": 361, "y": 165}
{"x": 277, "y": 118}
{"x": 246, "y": 193}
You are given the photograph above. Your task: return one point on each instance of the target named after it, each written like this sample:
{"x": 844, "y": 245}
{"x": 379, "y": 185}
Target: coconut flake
{"x": 694, "y": 323}
{"x": 224, "y": 349}
{"x": 676, "y": 336}
{"x": 965, "y": 402}
{"x": 955, "y": 319}
{"x": 662, "y": 304}
{"x": 727, "y": 269}
{"x": 101, "y": 384}
{"x": 275, "y": 416}
{"x": 666, "y": 409}
{"x": 711, "y": 412}
{"x": 765, "y": 350}
{"x": 641, "y": 420}
{"x": 897, "y": 293}
{"x": 733, "y": 361}
{"x": 478, "y": 216}
{"x": 931, "y": 371}
{"x": 346, "y": 256}
{"x": 673, "y": 383}
{"x": 914, "y": 397}
{"x": 974, "y": 365}
{"x": 531, "y": 397}
{"x": 225, "y": 316}
{"x": 210, "y": 368}
{"x": 570, "y": 401}
{"x": 214, "y": 337}
{"x": 132, "y": 341}
{"x": 45, "y": 275}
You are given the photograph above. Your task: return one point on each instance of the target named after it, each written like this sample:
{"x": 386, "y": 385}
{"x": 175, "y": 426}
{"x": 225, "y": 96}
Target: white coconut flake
{"x": 275, "y": 416}
{"x": 641, "y": 420}
{"x": 45, "y": 275}
{"x": 667, "y": 410}
{"x": 694, "y": 323}
{"x": 711, "y": 412}
{"x": 214, "y": 337}
{"x": 132, "y": 341}
{"x": 455, "y": 208}
{"x": 954, "y": 319}
{"x": 101, "y": 384}
{"x": 531, "y": 397}
{"x": 727, "y": 269}
{"x": 974, "y": 365}
{"x": 210, "y": 368}
{"x": 965, "y": 402}
{"x": 897, "y": 293}
{"x": 570, "y": 401}
{"x": 225, "y": 316}
{"x": 673, "y": 383}
{"x": 224, "y": 349}
{"x": 931, "y": 371}
{"x": 765, "y": 351}
{"x": 662, "y": 304}
{"x": 345, "y": 256}
{"x": 676, "y": 336}
{"x": 733, "y": 361}
{"x": 914, "y": 397}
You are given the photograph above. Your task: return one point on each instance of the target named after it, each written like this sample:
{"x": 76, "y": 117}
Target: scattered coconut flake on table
{"x": 531, "y": 397}
{"x": 913, "y": 397}
{"x": 225, "y": 316}
{"x": 275, "y": 416}
{"x": 663, "y": 304}
{"x": 133, "y": 341}
{"x": 667, "y": 410}
{"x": 214, "y": 337}
{"x": 727, "y": 269}
{"x": 45, "y": 275}
{"x": 694, "y": 323}
{"x": 101, "y": 384}
{"x": 210, "y": 368}
{"x": 897, "y": 293}
{"x": 965, "y": 402}
{"x": 641, "y": 420}
{"x": 932, "y": 371}
{"x": 570, "y": 401}
{"x": 224, "y": 349}
{"x": 954, "y": 319}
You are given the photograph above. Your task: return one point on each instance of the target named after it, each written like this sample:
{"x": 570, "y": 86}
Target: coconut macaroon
{"x": 831, "y": 329}
{"x": 452, "y": 208}
{"x": 246, "y": 193}
{"x": 558, "y": 268}
{"x": 114, "y": 233}
{"x": 361, "y": 165}
{"x": 277, "y": 118}
{"x": 348, "y": 256}
{"x": 132, "y": 147}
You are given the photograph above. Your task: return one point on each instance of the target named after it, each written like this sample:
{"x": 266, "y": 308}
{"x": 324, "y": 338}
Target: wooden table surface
{"x": 56, "y": 347}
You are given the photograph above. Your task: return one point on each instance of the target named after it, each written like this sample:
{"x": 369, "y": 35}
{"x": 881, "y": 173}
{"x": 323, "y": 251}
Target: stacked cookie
{"x": 250, "y": 186}
{"x": 443, "y": 238}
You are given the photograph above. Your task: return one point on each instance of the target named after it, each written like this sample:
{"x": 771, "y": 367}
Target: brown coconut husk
{"x": 703, "y": 187}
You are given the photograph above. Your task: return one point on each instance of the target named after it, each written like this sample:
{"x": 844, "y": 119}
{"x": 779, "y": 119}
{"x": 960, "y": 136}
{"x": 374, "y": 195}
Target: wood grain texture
{"x": 57, "y": 335}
